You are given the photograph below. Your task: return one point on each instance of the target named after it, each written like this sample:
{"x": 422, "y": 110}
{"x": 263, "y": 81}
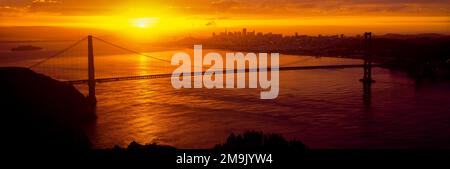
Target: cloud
{"x": 210, "y": 23}
{"x": 15, "y": 3}
{"x": 225, "y": 8}
{"x": 224, "y": 4}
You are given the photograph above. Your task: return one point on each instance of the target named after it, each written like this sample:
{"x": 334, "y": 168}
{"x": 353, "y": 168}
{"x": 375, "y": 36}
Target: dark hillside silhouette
{"x": 41, "y": 116}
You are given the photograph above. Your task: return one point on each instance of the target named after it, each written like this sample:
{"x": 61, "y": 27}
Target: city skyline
{"x": 154, "y": 19}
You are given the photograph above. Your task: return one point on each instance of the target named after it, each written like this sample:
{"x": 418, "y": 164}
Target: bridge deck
{"x": 155, "y": 76}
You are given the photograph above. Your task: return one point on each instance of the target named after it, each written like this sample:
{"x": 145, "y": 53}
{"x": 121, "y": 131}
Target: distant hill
{"x": 410, "y": 36}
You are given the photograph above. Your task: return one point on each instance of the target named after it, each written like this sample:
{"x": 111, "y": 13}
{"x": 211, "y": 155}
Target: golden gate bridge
{"x": 88, "y": 68}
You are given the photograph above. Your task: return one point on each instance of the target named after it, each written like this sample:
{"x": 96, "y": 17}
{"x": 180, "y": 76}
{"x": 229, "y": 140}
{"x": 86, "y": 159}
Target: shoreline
{"x": 414, "y": 70}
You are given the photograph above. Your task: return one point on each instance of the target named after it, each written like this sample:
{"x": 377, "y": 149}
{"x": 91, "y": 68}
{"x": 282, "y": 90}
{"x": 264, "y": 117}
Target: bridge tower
{"x": 91, "y": 71}
{"x": 367, "y": 76}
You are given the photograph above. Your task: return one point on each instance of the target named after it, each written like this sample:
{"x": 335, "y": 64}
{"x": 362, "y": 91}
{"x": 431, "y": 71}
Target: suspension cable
{"x": 58, "y": 53}
{"x": 130, "y": 50}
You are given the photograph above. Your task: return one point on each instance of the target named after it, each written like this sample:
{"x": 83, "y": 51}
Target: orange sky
{"x": 142, "y": 18}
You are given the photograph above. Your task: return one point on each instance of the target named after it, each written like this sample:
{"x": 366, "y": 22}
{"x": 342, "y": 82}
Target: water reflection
{"x": 323, "y": 108}
{"x": 367, "y": 93}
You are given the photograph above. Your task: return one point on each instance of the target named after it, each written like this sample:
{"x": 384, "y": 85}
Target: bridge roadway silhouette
{"x": 168, "y": 75}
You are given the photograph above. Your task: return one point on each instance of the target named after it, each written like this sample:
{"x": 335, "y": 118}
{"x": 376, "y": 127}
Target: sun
{"x": 144, "y": 22}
